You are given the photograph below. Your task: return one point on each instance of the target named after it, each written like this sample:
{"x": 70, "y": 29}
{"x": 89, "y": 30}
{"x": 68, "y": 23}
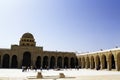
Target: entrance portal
{"x": 26, "y": 59}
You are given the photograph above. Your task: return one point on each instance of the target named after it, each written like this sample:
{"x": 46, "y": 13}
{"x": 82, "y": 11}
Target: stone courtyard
{"x": 70, "y": 74}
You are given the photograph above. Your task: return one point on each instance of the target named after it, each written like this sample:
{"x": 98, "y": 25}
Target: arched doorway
{"x": 59, "y": 62}
{"x": 38, "y": 62}
{"x": 52, "y": 62}
{"x": 72, "y": 62}
{"x": 14, "y": 63}
{"x": 66, "y": 62}
{"x": 113, "y": 66}
{"x": 92, "y": 62}
{"x": 104, "y": 62}
{"x": 26, "y": 59}
{"x": 5, "y": 60}
{"x": 87, "y": 62}
{"x": 98, "y": 62}
{"x": 45, "y": 62}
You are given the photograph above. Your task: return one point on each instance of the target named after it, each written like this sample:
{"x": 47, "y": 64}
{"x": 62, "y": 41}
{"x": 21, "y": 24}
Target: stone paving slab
{"x": 82, "y": 74}
{"x": 100, "y": 77}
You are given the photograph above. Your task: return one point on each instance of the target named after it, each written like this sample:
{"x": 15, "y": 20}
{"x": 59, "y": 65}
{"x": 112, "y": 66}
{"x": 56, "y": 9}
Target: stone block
{"x": 39, "y": 75}
{"x": 61, "y": 75}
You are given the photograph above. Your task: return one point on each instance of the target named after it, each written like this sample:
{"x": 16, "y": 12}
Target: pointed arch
{"x": 6, "y": 59}
{"x": 38, "y": 62}
{"x": 59, "y": 62}
{"x": 104, "y": 61}
{"x": 72, "y": 62}
{"x": 92, "y": 62}
{"x": 98, "y": 62}
{"x": 14, "y": 63}
{"x": 45, "y": 62}
{"x": 26, "y": 59}
{"x": 52, "y": 62}
{"x": 66, "y": 62}
{"x": 112, "y": 61}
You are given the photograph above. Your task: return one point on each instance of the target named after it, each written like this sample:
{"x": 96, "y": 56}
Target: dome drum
{"x": 27, "y": 40}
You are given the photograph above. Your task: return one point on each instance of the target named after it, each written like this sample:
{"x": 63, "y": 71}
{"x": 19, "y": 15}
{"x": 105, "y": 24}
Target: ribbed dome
{"x": 27, "y": 35}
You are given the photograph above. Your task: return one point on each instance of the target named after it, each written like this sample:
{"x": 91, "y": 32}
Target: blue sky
{"x": 62, "y": 25}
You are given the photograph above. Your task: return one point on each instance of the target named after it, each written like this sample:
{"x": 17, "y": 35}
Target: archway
{"x": 26, "y": 59}
{"x": 104, "y": 62}
{"x": 113, "y": 66}
{"x": 14, "y": 63}
{"x": 66, "y": 62}
{"x": 38, "y": 62}
{"x": 98, "y": 62}
{"x": 52, "y": 62}
{"x": 92, "y": 62}
{"x": 45, "y": 62}
{"x": 5, "y": 60}
{"x": 59, "y": 62}
{"x": 72, "y": 62}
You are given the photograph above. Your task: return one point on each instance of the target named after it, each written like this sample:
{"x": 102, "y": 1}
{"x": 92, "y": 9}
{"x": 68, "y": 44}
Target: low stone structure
{"x": 61, "y": 75}
{"x": 39, "y": 75}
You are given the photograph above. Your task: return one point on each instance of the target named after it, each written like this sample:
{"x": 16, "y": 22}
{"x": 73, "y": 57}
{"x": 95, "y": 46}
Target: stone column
{"x": 78, "y": 62}
{"x": 19, "y": 62}
{"x": 48, "y": 62}
{"x": 109, "y": 64}
{"x": 90, "y": 64}
{"x": 101, "y": 63}
{"x": 95, "y": 64}
{"x": 86, "y": 64}
{"x": 41, "y": 61}
{"x": 33, "y": 61}
{"x": 56, "y": 62}
{"x": 81, "y": 64}
{"x": 62, "y": 62}
{"x": 68, "y": 62}
{"x": 10, "y": 61}
{"x": 117, "y": 65}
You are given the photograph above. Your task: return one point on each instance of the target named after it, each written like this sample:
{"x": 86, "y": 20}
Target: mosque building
{"x": 28, "y": 54}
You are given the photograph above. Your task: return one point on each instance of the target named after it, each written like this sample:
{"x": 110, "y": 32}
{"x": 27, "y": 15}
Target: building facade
{"x": 102, "y": 60}
{"x": 28, "y": 54}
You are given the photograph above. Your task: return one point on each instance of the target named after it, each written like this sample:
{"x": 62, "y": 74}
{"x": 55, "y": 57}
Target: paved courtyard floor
{"x": 70, "y": 74}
